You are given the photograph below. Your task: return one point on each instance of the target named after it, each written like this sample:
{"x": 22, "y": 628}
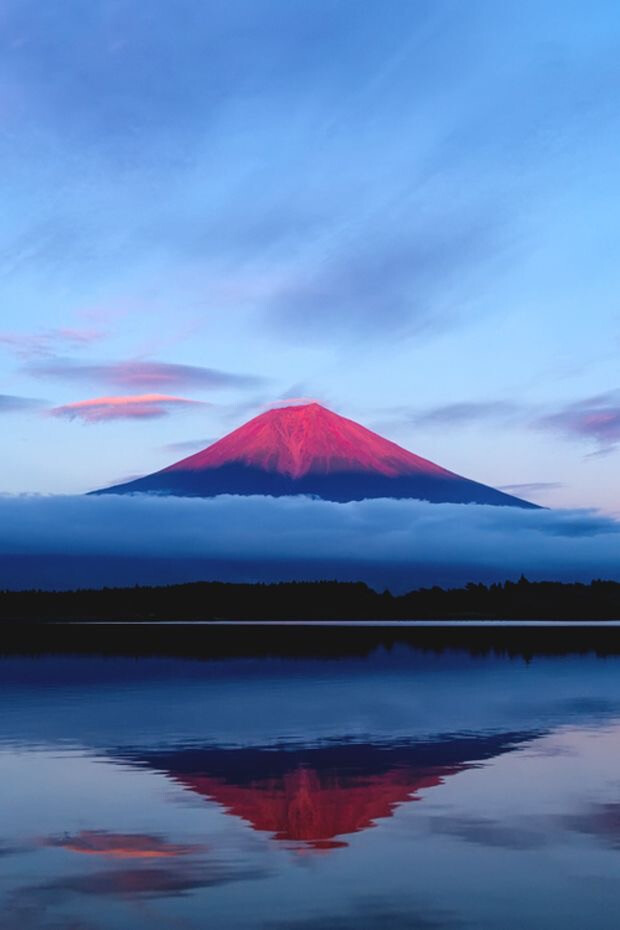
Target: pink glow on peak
{"x": 303, "y": 439}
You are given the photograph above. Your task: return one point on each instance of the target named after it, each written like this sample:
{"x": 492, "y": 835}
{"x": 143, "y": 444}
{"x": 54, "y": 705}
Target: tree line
{"x": 321, "y": 600}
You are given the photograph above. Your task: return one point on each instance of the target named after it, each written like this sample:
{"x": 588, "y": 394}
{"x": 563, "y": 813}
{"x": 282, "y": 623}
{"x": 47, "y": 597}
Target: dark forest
{"x": 324, "y": 600}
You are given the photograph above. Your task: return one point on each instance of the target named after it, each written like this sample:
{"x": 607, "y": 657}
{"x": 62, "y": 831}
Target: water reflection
{"x": 122, "y": 845}
{"x": 399, "y": 790}
{"x": 147, "y": 881}
{"x": 319, "y": 795}
{"x": 601, "y": 821}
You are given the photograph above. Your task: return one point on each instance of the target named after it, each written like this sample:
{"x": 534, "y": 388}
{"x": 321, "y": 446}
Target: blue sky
{"x": 406, "y": 211}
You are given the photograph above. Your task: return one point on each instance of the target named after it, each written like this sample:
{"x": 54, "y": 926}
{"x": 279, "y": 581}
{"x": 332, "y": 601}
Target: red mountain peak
{"x": 304, "y": 439}
{"x": 306, "y": 449}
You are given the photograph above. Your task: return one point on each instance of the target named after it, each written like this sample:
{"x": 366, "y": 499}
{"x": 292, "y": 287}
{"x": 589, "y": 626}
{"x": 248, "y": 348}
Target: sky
{"x": 406, "y": 211}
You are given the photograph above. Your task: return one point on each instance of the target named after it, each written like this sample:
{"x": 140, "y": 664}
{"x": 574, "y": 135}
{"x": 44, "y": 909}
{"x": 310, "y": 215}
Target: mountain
{"x": 307, "y": 449}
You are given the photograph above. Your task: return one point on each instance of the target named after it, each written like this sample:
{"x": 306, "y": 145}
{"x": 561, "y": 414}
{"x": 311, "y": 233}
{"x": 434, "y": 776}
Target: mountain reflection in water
{"x": 316, "y": 796}
{"x": 400, "y": 789}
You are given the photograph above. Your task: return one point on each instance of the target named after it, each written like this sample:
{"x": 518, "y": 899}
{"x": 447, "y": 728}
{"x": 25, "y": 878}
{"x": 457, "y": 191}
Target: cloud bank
{"x": 385, "y": 542}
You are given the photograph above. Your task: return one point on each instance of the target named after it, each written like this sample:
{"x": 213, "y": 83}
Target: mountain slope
{"x": 310, "y": 450}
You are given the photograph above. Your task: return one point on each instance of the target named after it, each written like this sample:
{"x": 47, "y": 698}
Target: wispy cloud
{"x": 292, "y": 402}
{"x": 457, "y": 415}
{"x": 379, "y": 284}
{"x": 466, "y": 412}
{"x": 595, "y": 418}
{"x": 187, "y": 445}
{"x": 531, "y": 487}
{"x": 11, "y": 403}
{"x": 45, "y": 342}
{"x": 143, "y": 375}
{"x": 603, "y": 452}
{"x": 130, "y": 407}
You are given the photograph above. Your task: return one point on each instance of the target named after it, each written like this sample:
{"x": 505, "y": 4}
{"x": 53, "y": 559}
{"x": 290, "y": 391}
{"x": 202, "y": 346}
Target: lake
{"x": 389, "y": 786}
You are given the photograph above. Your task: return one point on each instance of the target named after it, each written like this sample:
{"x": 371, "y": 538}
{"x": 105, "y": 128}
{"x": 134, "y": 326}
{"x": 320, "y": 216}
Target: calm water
{"x": 398, "y": 790}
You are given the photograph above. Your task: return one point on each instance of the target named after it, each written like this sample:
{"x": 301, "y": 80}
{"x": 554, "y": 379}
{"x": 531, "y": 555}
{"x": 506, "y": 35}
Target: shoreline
{"x": 379, "y": 624}
{"x": 305, "y": 639}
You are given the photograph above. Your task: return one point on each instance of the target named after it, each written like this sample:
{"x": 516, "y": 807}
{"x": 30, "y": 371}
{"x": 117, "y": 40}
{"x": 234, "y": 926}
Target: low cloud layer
{"x": 368, "y": 540}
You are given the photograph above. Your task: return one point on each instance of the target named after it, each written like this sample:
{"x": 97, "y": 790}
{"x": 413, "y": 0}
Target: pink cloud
{"x": 136, "y": 406}
{"x": 596, "y": 418}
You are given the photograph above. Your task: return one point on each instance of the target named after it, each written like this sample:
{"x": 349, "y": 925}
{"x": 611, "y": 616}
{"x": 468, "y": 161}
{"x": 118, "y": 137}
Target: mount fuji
{"x": 307, "y": 449}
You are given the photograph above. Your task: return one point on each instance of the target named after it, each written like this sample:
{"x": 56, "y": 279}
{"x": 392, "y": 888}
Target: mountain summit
{"x": 307, "y": 449}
